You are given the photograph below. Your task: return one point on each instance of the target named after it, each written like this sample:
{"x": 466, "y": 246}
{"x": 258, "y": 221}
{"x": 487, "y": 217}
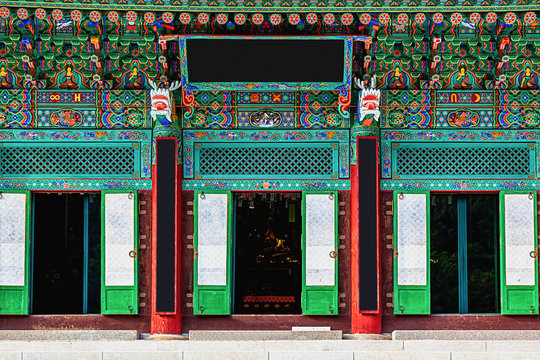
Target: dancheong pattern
{"x": 457, "y": 72}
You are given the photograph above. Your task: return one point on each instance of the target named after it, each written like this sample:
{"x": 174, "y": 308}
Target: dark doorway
{"x": 464, "y": 254}
{"x": 66, "y": 254}
{"x": 267, "y": 263}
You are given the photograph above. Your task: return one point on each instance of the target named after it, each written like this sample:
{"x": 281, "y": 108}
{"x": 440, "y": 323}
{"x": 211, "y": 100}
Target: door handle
{"x": 535, "y": 254}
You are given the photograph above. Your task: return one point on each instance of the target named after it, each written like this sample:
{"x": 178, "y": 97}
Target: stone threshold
{"x": 69, "y": 335}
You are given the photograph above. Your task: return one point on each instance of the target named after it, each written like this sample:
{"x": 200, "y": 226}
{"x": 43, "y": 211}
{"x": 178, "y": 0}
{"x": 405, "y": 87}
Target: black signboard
{"x": 265, "y": 60}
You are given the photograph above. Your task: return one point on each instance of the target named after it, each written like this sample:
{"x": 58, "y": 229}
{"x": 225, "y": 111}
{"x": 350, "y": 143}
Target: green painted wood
{"x": 210, "y": 159}
{"x": 212, "y": 299}
{"x": 462, "y": 255}
{"x": 518, "y": 299}
{"x": 320, "y": 300}
{"x": 119, "y": 300}
{"x": 15, "y": 300}
{"x": 69, "y": 160}
{"x": 411, "y": 299}
{"x": 480, "y": 160}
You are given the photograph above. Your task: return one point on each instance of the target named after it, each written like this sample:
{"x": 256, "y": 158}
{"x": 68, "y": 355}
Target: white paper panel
{"x": 412, "y": 239}
{"x": 12, "y": 239}
{"x": 320, "y": 240}
{"x": 519, "y": 216}
{"x": 119, "y": 240}
{"x": 212, "y": 239}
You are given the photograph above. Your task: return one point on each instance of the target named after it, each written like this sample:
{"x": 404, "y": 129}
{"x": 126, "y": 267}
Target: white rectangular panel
{"x": 119, "y": 239}
{"x": 412, "y": 239}
{"x": 12, "y": 239}
{"x": 320, "y": 239}
{"x": 212, "y": 235}
{"x": 519, "y": 213}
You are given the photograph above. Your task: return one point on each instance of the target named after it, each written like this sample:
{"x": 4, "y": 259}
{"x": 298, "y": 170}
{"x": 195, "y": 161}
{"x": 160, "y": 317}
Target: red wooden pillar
{"x": 362, "y": 321}
{"x": 167, "y": 322}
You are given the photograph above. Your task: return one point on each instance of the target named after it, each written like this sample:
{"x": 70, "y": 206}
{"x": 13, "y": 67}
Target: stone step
{"x": 272, "y": 350}
{"x": 466, "y": 335}
{"x": 242, "y": 335}
{"x": 69, "y": 335}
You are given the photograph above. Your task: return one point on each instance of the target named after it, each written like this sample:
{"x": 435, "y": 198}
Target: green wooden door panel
{"x": 119, "y": 245}
{"x": 212, "y": 301}
{"x": 411, "y": 253}
{"x": 320, "y": 253}
{"x": 13, "y": 300}
{"x": 519, "y": 246}
{"x": 119, "y": 301}
{"x": 520, "y": 302}
{"x": 212, "y": 241}
{"x": 15, "y": 239}
{"x": 320, "y": 301}
{"x": 412, "y": 301}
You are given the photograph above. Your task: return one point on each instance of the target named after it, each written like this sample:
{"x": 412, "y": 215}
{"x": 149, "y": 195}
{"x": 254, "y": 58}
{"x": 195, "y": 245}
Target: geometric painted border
{"x": 75, "y": 184}
{"x": 266, "y": 185}
{"x": 257, "y": 137}
{"x": 460, "y": 185}
{"x": 251, "y": 9}
{"x": 142, "y": 137}
{"x": 390, "y": 137}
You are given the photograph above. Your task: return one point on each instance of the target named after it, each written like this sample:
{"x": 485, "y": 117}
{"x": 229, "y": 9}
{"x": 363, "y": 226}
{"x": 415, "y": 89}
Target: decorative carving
{"x": 162, "y": 103}
{"x": 369, "y": 103}
{"x": 265, "y": 118}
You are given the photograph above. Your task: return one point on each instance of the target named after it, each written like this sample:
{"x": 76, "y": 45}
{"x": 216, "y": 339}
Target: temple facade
{"x": 172, "y": 165}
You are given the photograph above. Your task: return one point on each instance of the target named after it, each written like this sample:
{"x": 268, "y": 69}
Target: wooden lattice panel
{"x": 67, "y": 160}
{"x": 491, "y": 161}
{"x": 315, "y": 161}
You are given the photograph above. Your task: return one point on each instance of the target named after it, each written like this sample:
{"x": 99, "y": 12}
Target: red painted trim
{"x": 356, "y": 321}
{"x": 363, "y": 321}
{"x": 176, "y": 227}
{"x": 155, "y": 323}
{"x": 167, "y": 323}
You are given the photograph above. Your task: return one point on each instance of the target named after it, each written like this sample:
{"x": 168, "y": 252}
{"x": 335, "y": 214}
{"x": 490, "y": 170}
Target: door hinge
{"x": 195, "y": 253}
{"x": 389, "y": 246}
{"x": 391, "y": 211}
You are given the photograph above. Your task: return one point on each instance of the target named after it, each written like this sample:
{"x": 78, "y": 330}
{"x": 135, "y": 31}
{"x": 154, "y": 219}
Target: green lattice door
{"x": 320, "y": 253}
{"x": 119, "y": 243}
{"x": 14, "y": 252}
{"x": 213, "y": 247}
{"x": 411, "y": 252}
{"x": 519, "y": 253}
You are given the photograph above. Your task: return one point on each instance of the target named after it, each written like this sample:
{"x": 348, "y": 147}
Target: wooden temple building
{"x": 172, "y": 165}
